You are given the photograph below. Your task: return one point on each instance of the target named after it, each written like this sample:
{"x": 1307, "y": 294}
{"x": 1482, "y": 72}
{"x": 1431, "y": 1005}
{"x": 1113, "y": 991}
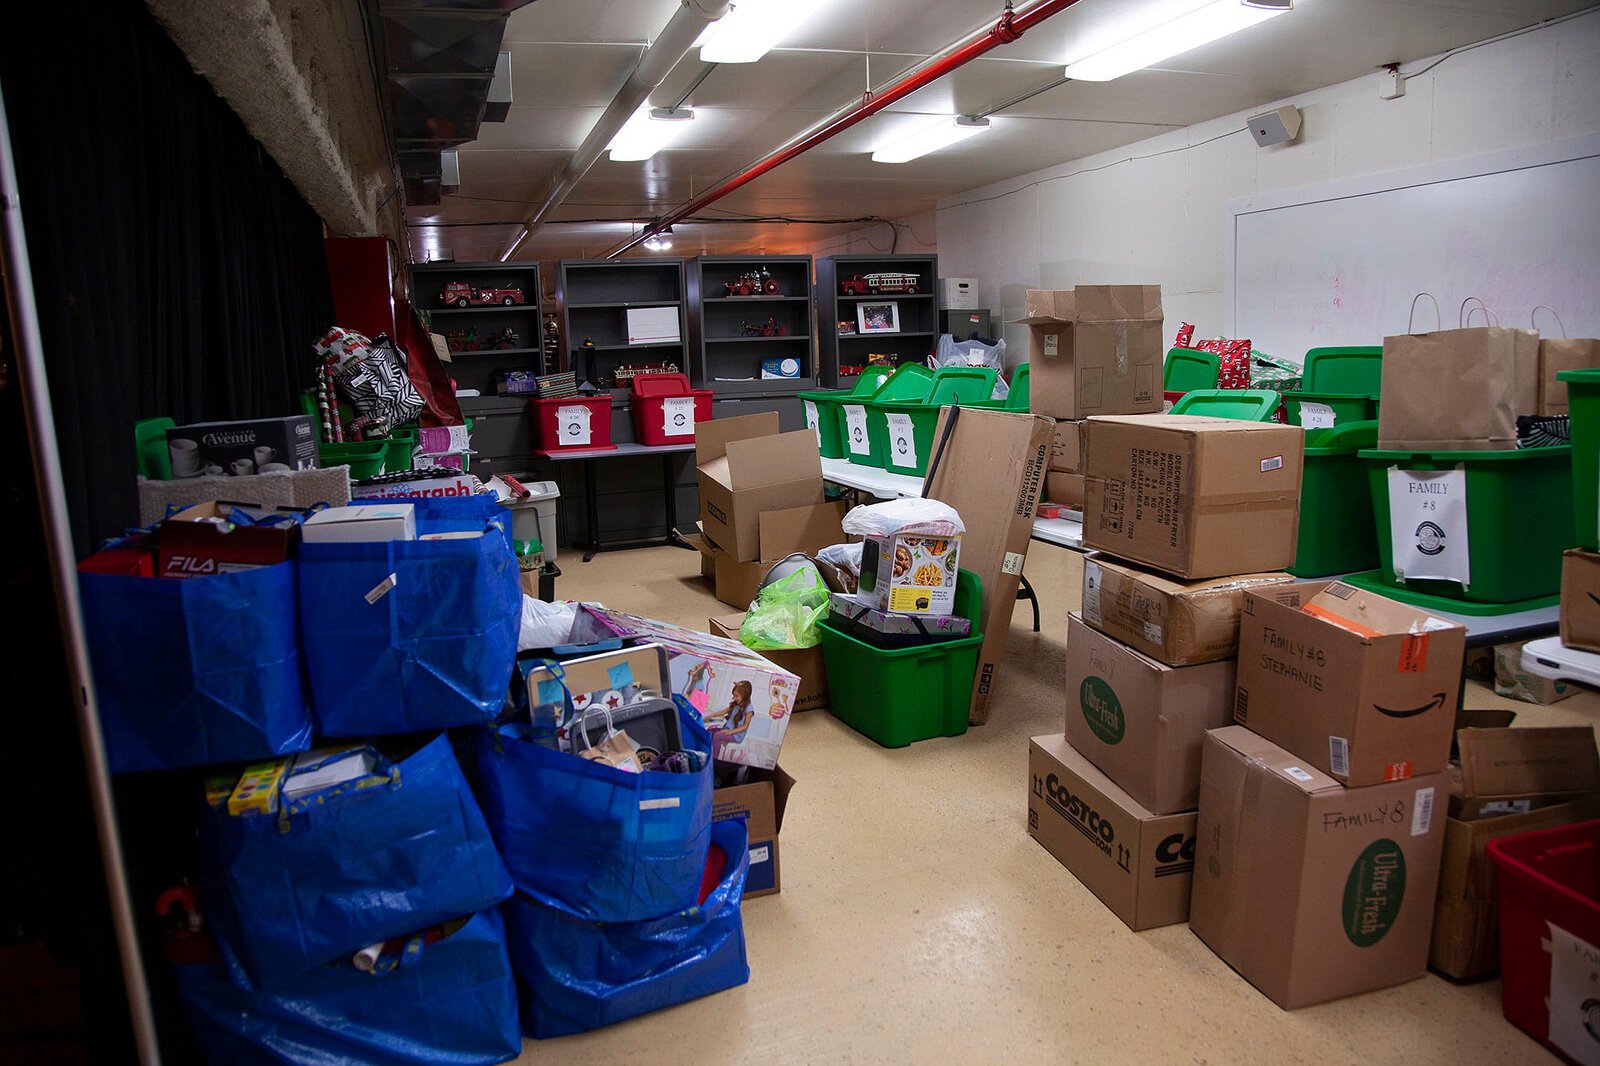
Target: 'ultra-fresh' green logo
{"x": 1101, "y": 709}
{"x": 1373, "y": 893}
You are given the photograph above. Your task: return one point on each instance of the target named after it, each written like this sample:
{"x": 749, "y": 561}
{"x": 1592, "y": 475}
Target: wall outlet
{"x": 1391, "y": 84}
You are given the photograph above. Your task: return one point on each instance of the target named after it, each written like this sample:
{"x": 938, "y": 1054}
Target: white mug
{"x": 185, "y": 456}
{"x": 212, "y": 470}
{"x": 274, "y": 468}
{"x": 264, "y": 456}
{"x": 242, "y": 467}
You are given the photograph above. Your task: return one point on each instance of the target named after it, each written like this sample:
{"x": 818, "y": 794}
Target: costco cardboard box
{"x": 804, "y": 663}
{"x": 1066, "y": 447}
{"x": 1580, "y": 600}
{"x": 806, "y": 529}
{"x": 1196, "y": 497}
{"x": 761, "y": 802}
{"x": 1141, "y": 721}
{"x": 1181, "y": 623}
{"x": 1140, "y": 864}
{"x": 747, "y": 467}
{"x": 1310, "y": 890}
{"x": 991, "y": 472}
{"x": 1095, "y": 349}
{"x": 1361, "y": 687}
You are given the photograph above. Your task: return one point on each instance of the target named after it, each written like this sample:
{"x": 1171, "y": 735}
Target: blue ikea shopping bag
{"x": 195, "y": 671}
{"x": 412, "y": 635}
{"x": 452, "y": 1003}
{"x": 350, "y": 866}
{"x": 578, "y": 975}
{"x": 589, "y": 839}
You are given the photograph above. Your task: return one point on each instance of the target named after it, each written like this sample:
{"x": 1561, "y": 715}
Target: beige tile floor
{"x": 919, "y": 922}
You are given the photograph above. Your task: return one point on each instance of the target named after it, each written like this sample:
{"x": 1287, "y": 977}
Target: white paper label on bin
{"x": 759, "y": 855}
{"x": 1091, "y": 593}
{"x": 855, "y": 425}
{"x": 902, "y": 440}
{"x": 572, "y": 425}
{"x": 813, "y": 420}
{"x": 1574, "y": 990}
{"x": 658, "y": 804}
{"x": 1315, "y": 415}
{"x": 677, "y": 416}
{"x": 1428, "y": 524}
{"x": 381, "y": 589}
{"x": 1011, "y": 563}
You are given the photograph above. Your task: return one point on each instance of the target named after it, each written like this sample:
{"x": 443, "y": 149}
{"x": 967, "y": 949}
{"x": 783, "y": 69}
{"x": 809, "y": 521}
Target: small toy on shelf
{"x": 758, "y": 282}
{"x": 624, "y": 374}
{"x": 880, "y": 359}
{"x": 846, "y": 329}
{"x": 770, "y": 328}
{"x": 506, "y": 338}
{"x": 850, "y": 370}
{"x": 461, "y": 294}
{"x": 462, "y": 340}
{"x": 883, "y": 282}
{"x": 588, "y": 343}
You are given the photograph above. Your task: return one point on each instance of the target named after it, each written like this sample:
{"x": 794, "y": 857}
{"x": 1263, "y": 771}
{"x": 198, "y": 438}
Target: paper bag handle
{"x": 1533, "y": 317}
{"x": 1411, "y": 318}
{"x": 582, "y": 722}
{"x": 1464, "y": 317}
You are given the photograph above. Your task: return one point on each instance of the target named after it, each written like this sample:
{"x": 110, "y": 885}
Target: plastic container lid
{"x": 1347, "y": 371}
{"x": 1188, "y": 369}
{"x": 661, "y": 385}
{"x": 909, "y": 382}
{"x": 1344, "y": 437}
{"x": 871, "y": 379}
{"x": 1246, "y": 405}
{"x": 955, "y": 384}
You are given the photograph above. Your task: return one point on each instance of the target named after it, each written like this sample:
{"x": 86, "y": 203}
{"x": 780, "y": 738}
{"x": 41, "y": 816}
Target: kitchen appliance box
{"x": 292, "y": 440}
{"x": 1141, "y": 722}
{"x": 783, "y": 532}
{"x": 760, "y": 802}
{"x": 804, "y": 663}
{"x": 1195, "y": 497}
{"x": 1580, "y": 600}
{"x": 192, "y": 544}
{"x": 1180, "y": 623}
{"x": 1094, "y": 349}
{"x": 1361, "y": 687}
{"x": 910, "y": 573}
{"x": 746, "y": 467}
{"x": 1310, "y": 890}
{"x": 1139, "y": 864}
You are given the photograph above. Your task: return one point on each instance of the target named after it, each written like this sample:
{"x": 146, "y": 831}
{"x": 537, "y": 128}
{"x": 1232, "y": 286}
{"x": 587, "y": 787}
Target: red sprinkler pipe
{"x": 1010, "y": 27}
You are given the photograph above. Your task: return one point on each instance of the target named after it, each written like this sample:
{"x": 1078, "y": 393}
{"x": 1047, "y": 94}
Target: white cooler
{"x": 534, "y": 518}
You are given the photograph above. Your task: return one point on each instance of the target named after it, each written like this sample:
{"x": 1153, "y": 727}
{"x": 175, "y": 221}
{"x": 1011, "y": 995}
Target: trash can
{"x": 534, "y": 518}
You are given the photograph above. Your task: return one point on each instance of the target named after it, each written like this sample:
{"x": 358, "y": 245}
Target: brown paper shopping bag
{"x": 1457, "y": 389}
{"x": 1556, "y": 355}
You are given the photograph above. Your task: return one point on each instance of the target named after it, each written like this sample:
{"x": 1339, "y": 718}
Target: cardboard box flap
{"x": 772, "y": 460}
{"x": 781, "y": 784}
{"x": 801, "y": 529}
{"x": 644, "y": 663}
{"x": 1181, "y": 423}
{"x": 711, "y": 439}
{"x": 1101, "y": 303}
{"x": 1529, "y": 762}
{"x": 1259, "y": 751}
{"x": 1370, "y": 615}
{"x": 1047, "y": 305}
{"x": 1056, "y": 746}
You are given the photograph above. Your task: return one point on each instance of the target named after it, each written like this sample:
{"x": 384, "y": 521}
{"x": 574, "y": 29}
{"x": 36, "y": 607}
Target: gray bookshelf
{"x": 483, "y": 325}
{"x": 593, "y": 297}
{"x": 723, "y": 357}
{"x": 918, "y": 313}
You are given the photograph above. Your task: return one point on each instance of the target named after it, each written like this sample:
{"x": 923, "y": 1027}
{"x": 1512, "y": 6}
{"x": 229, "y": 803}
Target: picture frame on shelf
{"x": 878, "y": 317}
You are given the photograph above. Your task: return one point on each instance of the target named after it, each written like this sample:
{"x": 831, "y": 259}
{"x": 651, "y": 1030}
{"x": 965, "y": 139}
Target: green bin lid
{"x": 954, "y": 384}
{"x": 1248, "y": 405}
{"x": 909, "y": 382}
{"x": 1342, "y": 438}
{"x": 1585, "y": 376}
{"x": 1345, "y": 370}
{"x": 1188, "y": 369}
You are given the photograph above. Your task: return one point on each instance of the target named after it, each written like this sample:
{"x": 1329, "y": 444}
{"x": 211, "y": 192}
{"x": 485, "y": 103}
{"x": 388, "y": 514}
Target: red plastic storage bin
{"x": 1550, "y": 895}
{"x": 655, "y": 422}
{"x": 554, "y": 431}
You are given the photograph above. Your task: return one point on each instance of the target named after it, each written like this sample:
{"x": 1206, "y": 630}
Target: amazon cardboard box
{"x": 1138, "y": 863}
{"x": 1181, "y": 623}
{"x": 1140, "y": 721}
{"x": 1066, "y": 447}
{"x": 1310, "y": 890}
{"x": 1094, "y": 349}
{"x": 804, "y": 663}
{"x": 1580, "y": 600}
{"x": 746, "y": 468}
{"x": 1196, "y": 497}
{"x": 1508, "y": 781}
{"x": 1359, "y": 686}
{"x": 806, "y": 529}
{"x": 761, "y": 802}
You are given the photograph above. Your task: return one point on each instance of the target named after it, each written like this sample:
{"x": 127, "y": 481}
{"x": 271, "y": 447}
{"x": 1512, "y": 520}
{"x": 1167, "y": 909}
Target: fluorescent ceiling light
{"x": 648, "y": 131}
{"x": 942, "y": 133}
{"x": 1200, "y": 25}
{"x": 657, "y": 244}
{"x": 751, "y": 28}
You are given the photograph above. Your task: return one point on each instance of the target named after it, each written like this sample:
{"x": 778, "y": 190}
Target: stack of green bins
{"x": 364, "y": 458}
{"x": 1336, "y": 529}
{"x": 822, "y": 409}
{"x": 898, "y": 696}
{"x": 902, "y": 432}
{"x": 1583, "y": 409}
{"x": 1344, "y": 383}
{"x": 910, "y": 382}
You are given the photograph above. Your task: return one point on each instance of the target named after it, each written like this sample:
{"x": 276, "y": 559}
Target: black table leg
{"x": 670, "y": 485}
{"x": 1025, "y": 592}
{"x": 591, "y": 510}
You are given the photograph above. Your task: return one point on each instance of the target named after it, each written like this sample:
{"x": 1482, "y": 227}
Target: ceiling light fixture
{"x": 751, "y": 29}
{"x": 1201, "y": 25}
{"x": 656, "y": 244}
{"x": 648, "y": 131}
{"x": 941, "y": 133}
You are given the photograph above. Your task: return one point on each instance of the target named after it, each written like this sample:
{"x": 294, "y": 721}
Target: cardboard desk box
{"x": 761, "y": 802}
{"x": 747, "y": 467}
{"x": 1067, "y": 446}
{"x": 910, "y": 573}
{"x": 1580, "y": 600}
{"x": 198, "y": 541}
{"x": 1196, "y": 497}
{"x": 1359, "y": 686}
{"x": 1094, "y": 349}
{"x": 806, "y": 529}
{"x": 1140, "y": 721}
{"x": 804, "y": 663}
{"x": 1310, "y": 890}
{"x": 1180, "y": 623}
{"x": 245, "y": 447}
{"x": 1140, "y": 864}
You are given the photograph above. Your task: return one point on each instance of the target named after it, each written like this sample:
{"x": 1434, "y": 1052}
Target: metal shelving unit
{"x": 477, "y": 369}
{"x": 593, "y": 297}
{"x": 918, "y": 311}
{"x": 723, "y": 357}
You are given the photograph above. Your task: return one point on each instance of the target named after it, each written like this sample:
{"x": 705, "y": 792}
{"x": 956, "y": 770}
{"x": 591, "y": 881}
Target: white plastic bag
{"x": 846, "y": 557}
{"x": 913, "y": 515}
{"x": 544, "y": 625}
{"x": 953, "y": 352}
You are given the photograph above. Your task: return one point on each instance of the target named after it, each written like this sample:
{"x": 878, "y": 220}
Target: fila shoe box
{"x": 1138, "y": 863}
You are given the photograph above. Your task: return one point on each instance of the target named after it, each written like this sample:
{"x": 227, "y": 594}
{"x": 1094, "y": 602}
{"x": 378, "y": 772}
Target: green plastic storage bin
{"x": 1583, "y": 408}
{"x": 1519, "y": 519}
{"x": 364, "y": 458}
{"x": 822, "y": 409}
{"x": 1021, "y": 380}
{"x": 1246, "y": 405}
{"x": 898, "y": 696}
{"x": 1336, "y": 528}
{"x": 1187, "y": 370}
{"x": 399, "y": 446}
{"x": 150, "y": 448}
{"x": 1346, "y": 381}
{"x": 907, "y": 452}
{"x": 909, "y": 383}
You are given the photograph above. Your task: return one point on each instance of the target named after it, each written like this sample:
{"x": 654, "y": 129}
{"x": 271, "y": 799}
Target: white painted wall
{"x": 912, "y": 235}
{"x": 1155, "y": 211}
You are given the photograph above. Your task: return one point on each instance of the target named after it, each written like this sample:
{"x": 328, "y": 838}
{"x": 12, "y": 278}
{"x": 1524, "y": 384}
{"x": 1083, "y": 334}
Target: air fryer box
{"x": 761, "y": 803}
{"x": 261, "y": 442}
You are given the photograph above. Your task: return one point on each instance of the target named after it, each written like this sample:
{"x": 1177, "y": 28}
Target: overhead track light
{"x": 648, "y": 131}
{"x": 942, "y": 133}
{"x": 1199, "y": 25}
{"x": 751, "y": 29}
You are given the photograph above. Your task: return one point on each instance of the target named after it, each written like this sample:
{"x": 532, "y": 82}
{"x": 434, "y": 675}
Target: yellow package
{"x": 257, "y": 790}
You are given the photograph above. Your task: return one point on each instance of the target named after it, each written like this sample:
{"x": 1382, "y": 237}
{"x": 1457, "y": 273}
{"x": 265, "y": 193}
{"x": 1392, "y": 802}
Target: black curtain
{"x": 177, "y": 271}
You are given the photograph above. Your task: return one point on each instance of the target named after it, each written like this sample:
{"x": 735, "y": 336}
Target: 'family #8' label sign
{"x": 1428, "y": 524}
{"x": 572, "y": 425}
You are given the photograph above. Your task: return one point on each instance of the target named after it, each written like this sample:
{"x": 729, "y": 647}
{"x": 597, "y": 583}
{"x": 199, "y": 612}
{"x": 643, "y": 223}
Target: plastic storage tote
{"x": 822, "y": 409}
{"x": 898, "y": 696}
{"x": 907, "y": 429}
{"x": 1519, "y": 519}
{"x": 1550, "y": 894}
{"x": 665, "y": 409}
{"x": 1187, "y": 369}
{"x": 908, "y": 383}
{"x": 535, "y": 517}
{"x": 1021, "y": 380}
{"x": 572, "y": 424}
{"x": 1343, "y": 382}
{"x": 364, "y": 458}
{"x": 1336, "y": 530}
{"x": 1246, "y": 405}
{"x": 1583, "y": 405}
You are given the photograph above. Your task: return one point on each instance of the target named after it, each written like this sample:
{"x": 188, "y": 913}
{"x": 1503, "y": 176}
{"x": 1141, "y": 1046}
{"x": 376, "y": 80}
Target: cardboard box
{"x": 910, "y": 573}
{"x": 761, "y": 802}
{"x": 804, "y": 663}
{"x": 1064, "y": 488}
{"x": 992, "y": 472}
{"x": 361, "y": 524}
{"x": 885, "y": 630}
{"x": 1196, "y": 497}
{"x": 1094, "y": 350}
{"x": 198, "y": 541}
{"x": 1514, "y": 771}
{"x": 1512, "y": 681}
{"x": 958, "y": 294}
{"x": 243, "y": 447}
{"x": 1140, "y": 721}
{"x": 1580, "y": 600}
{"x": 1310, "y": 890}
{"x": 747, "y": 467}
{"x": 797, "y": 529}
{"x": 1181, "y": 623}
{"x": 1067, "y": 446}
{"x": 1361, "y": 687}
{"x": 1140, "y": 864}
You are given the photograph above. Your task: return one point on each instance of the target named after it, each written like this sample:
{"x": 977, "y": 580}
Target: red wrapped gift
{"x": 1233, "y": 371}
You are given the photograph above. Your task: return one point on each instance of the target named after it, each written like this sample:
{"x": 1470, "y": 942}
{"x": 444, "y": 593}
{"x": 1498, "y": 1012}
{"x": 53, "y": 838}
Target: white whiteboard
{"x": 1339, "y": 263}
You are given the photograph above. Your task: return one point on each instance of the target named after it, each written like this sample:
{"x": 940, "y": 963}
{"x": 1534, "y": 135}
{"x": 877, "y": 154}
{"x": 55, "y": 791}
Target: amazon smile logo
{"x": 1437, "y": 701}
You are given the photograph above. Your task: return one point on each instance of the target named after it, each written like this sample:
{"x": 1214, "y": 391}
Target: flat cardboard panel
{"x": 1139, "y": 864}
{"x": 711, "y": 438}
{"x": 1580, "y": 600}
{"x": 774, "y": 459}
{"x": 1063, "y": 488}
{"x": 1516, "y": 770}
{"x": 1066, "y": 447}
{"x": 796, "y": 529}
{"x": 804, "y": 663}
